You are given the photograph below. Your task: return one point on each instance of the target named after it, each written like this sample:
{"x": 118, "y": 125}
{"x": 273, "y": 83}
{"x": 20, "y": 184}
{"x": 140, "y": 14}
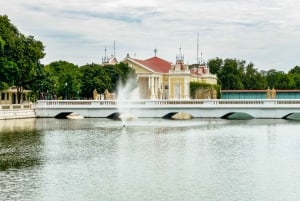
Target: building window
{"x": 2, "y": 96}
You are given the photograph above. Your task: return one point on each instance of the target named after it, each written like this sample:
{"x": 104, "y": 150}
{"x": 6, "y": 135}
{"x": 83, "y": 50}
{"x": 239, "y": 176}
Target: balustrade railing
{"x": 54, "y": 103}
{"x": 16, "y": 106}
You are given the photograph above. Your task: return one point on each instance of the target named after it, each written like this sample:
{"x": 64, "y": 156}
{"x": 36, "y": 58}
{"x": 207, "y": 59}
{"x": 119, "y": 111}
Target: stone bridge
{"x": 206, "y": 108}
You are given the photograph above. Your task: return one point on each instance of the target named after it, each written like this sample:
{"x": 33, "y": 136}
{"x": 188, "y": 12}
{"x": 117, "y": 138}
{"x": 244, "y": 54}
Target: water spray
{"x": 125, "y": 96}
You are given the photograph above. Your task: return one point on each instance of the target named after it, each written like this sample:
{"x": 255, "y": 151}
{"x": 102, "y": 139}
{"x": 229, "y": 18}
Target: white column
{"x": 169, "y": 88}
{"x": 156, "y": 87}
{"x": 185, "y": 89}
{"x": 149, "y": 86}
{"x": 149, "y": 82}
{"x": 188, "y": 89}
{"x": 152, "y": 88}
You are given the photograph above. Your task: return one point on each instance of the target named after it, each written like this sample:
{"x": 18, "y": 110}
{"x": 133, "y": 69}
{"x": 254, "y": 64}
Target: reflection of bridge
{"x": 257, "y": 108}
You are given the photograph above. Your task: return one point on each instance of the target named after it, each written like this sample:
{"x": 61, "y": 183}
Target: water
{"x": 150, "y": 159}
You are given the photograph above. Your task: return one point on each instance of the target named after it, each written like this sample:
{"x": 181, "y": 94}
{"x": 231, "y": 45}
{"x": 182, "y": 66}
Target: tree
{"x": 8, "y": 37}
{"x": 253, "y": 79}
{"x": 29, "y": 53}
{"x": 19, "y": 57}
{"x": 108, "y": 77}
{"x": 279, "y": 80}
{"x": 294, "y": 74}
{"x": 94, "y": 77}
{"x": 124, "y": 73}
{"x": 215, "y": 65}
{"x": 7, "y": 69}
{"x": 2, "y": 44}
{"x": 44, "y": 86}
{"x": 295, "y": 70}
{"x": 66, "y": 78}
{"x": 231, "y": 74}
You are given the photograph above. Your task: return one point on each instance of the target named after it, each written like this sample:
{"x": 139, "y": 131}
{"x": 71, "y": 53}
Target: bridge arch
{"x": 292, "y": 116}
{"x": 178, "y": 116}
{"x": 237, "y": 116}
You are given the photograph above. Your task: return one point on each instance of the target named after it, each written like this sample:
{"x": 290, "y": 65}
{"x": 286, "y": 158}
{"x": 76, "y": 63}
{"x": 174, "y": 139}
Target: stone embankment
{"x": 17, "y": 111}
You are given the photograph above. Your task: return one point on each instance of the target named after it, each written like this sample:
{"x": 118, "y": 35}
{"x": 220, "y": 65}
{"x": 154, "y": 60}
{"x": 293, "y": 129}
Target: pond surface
{"x": 149, "y": 159}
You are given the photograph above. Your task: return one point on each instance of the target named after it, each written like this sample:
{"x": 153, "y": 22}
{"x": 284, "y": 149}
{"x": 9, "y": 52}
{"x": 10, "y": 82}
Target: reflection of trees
{"x": 19, "y": 149}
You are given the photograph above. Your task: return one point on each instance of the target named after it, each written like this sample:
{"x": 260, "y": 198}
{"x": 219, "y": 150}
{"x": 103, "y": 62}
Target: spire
{"x": 180, "y": 56}
{"x": 114, "y": 49}
{"x": 198, "y": 48}
{"x": 155, "y": 52}
{"x": 105, "y": 58}
{"x": 201, "y": 58}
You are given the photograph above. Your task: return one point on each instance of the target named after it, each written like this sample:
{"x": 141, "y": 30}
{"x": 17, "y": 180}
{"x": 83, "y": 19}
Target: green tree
{"x": 44, "y": 86}
{"x": 215, "y": 65}
{"x": 8, "y": 37}
{"x": 294, "y": 74}
{"x": 295, "y": 70}
{"x": 231, "y": 74}
{"x": 279, "y": 80}
{"x": 108, "y": 77}
{"x": 7, "y": 69}
{"x": 2, "y": 44}
{"x": 94, "y": 77}
{"x": 124, "y": 73}
{"x": 253, "y": 79}
{"x": 66, "y": 78}
{"x": 19, "y": 57}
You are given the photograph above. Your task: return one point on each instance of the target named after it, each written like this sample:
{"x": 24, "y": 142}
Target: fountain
{"x": 126, "y": 93}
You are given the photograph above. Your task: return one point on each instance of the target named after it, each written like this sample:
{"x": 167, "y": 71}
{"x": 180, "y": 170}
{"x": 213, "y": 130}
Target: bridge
{"x": 218, "y": 108}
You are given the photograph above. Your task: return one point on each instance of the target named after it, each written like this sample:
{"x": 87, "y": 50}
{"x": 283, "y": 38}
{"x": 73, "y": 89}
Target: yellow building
{"x": 161, "y": 79}
{"x": 9, "y": 96}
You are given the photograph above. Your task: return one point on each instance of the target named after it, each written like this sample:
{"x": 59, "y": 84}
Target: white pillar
{"x": 149, "y": 82}
{"x": 149, "y": 86}
{"x": 156, "y": 87}
{"x": 152, "y": 88}
{"x": 169, "y": 88}
{"x": 185, "y": 89}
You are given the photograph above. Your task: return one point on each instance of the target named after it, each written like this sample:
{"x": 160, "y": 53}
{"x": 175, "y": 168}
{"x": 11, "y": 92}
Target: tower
{"x": 180, "y": 57}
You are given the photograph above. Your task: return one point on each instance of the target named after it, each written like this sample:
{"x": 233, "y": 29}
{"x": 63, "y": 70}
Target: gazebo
{"x": 10, "y": 96}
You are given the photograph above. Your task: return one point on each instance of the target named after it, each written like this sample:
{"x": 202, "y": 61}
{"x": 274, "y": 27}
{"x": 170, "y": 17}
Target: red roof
{"x": 156, "y": 64}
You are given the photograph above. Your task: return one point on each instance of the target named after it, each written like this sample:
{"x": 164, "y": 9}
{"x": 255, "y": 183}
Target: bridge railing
{"x": 24, "y": 106}
{"x": 57, "y": 103}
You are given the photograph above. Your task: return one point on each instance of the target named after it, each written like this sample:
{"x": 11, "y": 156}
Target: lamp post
{"x": 66, "y": 91}
{"x": 42, "y": 92}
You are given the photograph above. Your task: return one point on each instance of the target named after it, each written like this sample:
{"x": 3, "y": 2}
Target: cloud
{"x": 264, "y": 32}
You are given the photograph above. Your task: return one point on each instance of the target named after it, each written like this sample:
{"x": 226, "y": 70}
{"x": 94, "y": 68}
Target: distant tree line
{"x": 65, "y": 80}
{"x": 237, "y": 74}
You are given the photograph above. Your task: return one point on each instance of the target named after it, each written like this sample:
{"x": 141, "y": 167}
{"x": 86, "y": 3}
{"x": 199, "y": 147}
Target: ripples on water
{"x": 150, "y": 159}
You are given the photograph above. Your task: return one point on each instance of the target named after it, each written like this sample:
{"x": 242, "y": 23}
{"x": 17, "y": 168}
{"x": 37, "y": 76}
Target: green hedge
{"x": 194, "y": 86}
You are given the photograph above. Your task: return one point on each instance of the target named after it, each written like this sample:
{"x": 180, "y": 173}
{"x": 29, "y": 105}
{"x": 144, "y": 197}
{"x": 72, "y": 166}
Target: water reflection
{"x": 20, "y": 144}
{"x": 20, "y": 159}
{"x": 17, "y": 125}
{"x": 149, "y": 159}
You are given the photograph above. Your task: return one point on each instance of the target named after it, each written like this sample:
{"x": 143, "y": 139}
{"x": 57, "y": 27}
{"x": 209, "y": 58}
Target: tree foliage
{"x": 99, "y": 77}
{"x": 65, "y": 79}
{"x": 94, "y": 77}
{"x": 237, "y": 74}
{"x": 19, "y": 57}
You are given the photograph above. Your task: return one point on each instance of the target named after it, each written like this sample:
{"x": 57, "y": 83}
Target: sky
{"x": 264, "y": 32}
